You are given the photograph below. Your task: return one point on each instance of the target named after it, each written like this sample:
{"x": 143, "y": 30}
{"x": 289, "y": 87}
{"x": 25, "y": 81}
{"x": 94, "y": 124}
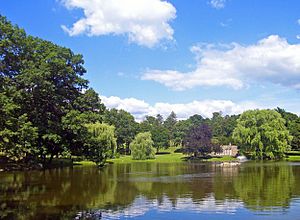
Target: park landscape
{"x": 67, "y": 154}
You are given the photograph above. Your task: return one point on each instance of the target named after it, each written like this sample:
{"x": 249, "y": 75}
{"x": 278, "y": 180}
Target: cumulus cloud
{"x": 218, "y": 4}
{"x": 298, "y": 21}
{"x": 139, "y": 108}
{"x": 145, "y": 22}
{"x": 270, "y": 60}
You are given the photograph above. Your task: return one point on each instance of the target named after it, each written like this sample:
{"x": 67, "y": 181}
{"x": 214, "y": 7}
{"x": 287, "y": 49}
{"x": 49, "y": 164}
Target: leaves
{"x": 142, "y": 147}
{"x": 101, "y": 142}
{"x": 198, "y": 140}
{"x": 261, "y": 134}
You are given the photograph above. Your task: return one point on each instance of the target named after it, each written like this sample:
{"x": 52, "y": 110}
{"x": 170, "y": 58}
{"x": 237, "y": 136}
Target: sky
{"x": 152, "y": 57}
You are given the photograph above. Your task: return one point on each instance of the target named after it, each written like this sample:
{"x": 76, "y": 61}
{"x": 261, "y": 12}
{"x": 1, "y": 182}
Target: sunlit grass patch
{"x": 293, "y": 158}
{"x": 84, "y": 163}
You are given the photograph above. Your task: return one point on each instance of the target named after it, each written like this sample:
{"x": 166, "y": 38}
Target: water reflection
{"x": 134, "y": 189}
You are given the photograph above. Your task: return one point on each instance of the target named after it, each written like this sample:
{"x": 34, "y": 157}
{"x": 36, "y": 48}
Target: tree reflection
{"x": 265, "y": 186}
{"x": 63, "y": 193}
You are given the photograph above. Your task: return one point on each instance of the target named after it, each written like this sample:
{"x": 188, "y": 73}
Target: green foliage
{"x": 169, "y": 124}
{"x": 142, "y": 147}
{"x": 43, "y": 97}
{"x": 126, "y": 127}
{"x": 261, "y": 134}
{"x": 292, "y": 122}
{"x": 198, "y": 141}
{"x": 17, "y": 135}
{"x": 101, "y": 143}
{"x": 159, "y": 134}
{"x": 264, "y": 187}
{"x": 222, "y": 127}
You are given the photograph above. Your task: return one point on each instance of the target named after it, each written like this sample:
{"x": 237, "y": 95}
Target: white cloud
{"x": 270, "y": 60}
{"x": 298, "y": 21}
{"x": 298, "y": 36}
{"x": 218, "y": 4}
{"x": 139, "y": 108}
{"x": 145, "y": 22}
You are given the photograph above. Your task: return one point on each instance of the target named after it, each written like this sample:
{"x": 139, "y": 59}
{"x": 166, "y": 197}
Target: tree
{"x": 17, "y": 134}
{"x": 126, "y": 127}
{"x": 101, "y": 143}
{"x": 196, "y": 120}
{"x": 169, "y": 124}
{"x": 160, "y": 118}
{"x": 222, "y": 127}
{"x": 198, "y": 141}
{"x": 294, "y": 129}
{"x": 159, "y": 133}
{"x": 261, "y": 134}
{"x": 292, "y": 122}
{"x": 41, "y": 85}
{"x": 180, "y": 131}
{"x": 142, "y": 147}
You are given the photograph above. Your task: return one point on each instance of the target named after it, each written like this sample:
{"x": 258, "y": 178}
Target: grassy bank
{"x": 162, "y": 158}
{"x": 294, "y": 158}
{"x": 169, "y": 156}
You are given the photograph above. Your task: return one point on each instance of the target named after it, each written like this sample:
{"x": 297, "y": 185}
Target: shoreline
{"x": 9, "y": 166}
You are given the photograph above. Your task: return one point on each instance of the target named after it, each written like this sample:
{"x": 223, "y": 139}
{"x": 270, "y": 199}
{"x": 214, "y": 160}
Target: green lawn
{"x": 161, "y": 158}
{"x": 168, "y": 156}
{"x": 294, "y": 158}
{"x": 84, "y": 163}
{"x": 222, "y": 159}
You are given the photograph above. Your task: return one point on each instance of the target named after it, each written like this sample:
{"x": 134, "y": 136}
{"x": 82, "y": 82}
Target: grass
{"x": 161, "y": 158}
{"x": 293, "y": 153}
{"x": 168, "y": 156}
{"x": 294, "y": 158}
{"x": 84, "y": 163}
{"x": 221, "y": 159}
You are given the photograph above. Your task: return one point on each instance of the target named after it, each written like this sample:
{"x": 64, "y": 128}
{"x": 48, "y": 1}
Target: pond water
{"x": 154, "y": 191}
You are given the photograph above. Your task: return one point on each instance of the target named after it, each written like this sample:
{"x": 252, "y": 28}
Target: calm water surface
{"x": 154, "y": 191}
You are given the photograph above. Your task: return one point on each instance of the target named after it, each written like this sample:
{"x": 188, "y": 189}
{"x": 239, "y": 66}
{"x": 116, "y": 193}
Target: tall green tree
{"x": 47, "y": 85}
{"x": 17, "y": 135}
{"x": 142, "y": 147}
{"x": 169, "y": 124}
{"x": 292, "y": 122}
{"x": 261, "y": 134}
{"x": 222, "y": 127}
{"x": 126, "y": 127}
{"x": 101, "y": 142}
{"x": 159, "y": 133}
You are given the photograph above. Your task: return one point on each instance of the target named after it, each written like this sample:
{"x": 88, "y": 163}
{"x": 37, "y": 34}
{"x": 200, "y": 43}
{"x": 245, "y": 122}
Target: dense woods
{"x": 47, "y": 110}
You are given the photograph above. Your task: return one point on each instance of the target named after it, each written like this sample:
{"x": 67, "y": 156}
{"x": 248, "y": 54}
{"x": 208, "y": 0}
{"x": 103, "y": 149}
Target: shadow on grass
{"x": 162, "y": 153}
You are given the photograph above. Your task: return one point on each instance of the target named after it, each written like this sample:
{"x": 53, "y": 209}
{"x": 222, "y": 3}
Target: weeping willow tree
{"x": 142, "y": 147}
{"x": 101, "y": 142}
{"x": 261, "y": 134}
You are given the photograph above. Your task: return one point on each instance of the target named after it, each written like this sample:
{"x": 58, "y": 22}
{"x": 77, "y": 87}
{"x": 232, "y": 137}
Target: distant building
{"x": 228, "y": 150}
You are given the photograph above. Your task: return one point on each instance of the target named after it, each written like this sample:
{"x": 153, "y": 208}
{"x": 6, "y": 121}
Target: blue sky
{"x": 193, "y": 56}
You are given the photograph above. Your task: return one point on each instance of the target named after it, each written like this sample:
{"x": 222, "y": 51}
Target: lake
{"x": 154, "y": 191}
